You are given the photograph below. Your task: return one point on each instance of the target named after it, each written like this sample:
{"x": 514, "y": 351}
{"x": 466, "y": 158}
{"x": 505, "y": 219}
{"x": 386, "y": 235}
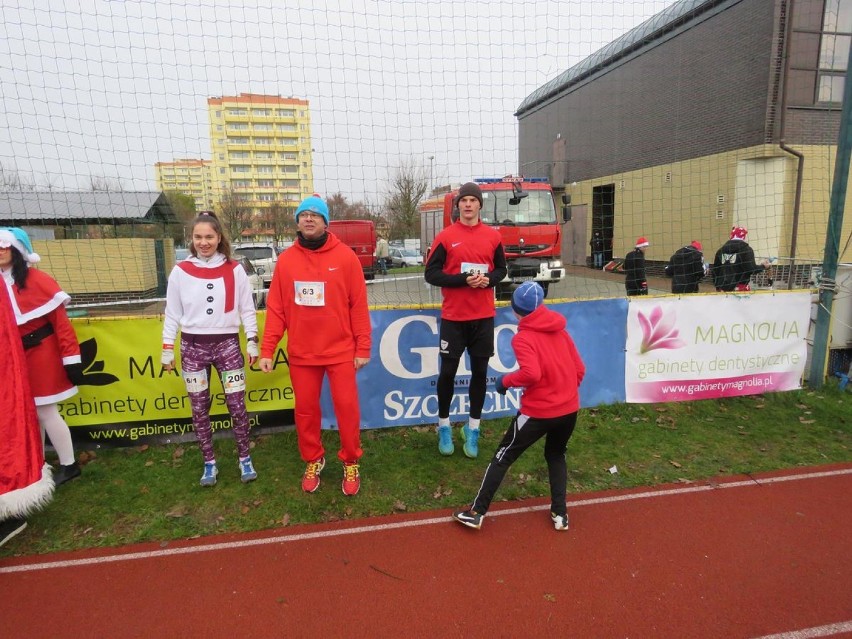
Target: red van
{"x": 360, "y": 236}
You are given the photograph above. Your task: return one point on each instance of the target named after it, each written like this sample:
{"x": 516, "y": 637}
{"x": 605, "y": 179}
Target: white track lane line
{"x": 809, "y": 633}
{"x": 280, "y": 539}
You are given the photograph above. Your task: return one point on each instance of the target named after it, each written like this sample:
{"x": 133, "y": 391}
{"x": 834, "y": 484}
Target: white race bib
{"x": 471, "y": 268}
{"x": 234, "y": 381}
{"x": 310, "y": 293}
{"x": 196, "y": 381}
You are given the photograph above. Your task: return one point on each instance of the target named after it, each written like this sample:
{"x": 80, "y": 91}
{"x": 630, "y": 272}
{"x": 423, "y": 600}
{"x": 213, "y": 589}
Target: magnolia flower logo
{"x": 658, "y": 331}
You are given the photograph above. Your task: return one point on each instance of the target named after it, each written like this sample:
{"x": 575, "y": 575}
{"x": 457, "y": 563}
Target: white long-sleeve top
{"x": 208, "y": 297}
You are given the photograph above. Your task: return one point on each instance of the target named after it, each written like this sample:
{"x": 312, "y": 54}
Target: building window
{"x": 262, "y": 127}
{"x": 266, "y": 197}
{"x": 237, "y": 112}
{"x": 239, "y": 140}
{"x": 834, "y": 51}
{"x": 240, "y": 184}
{"x": 286, "y": 113}
{"x": 286, "y": 127}
{"x": 240, "y": 168}
{"x": 264, "y": 155}
{"x": 266, "y": 183}
{"x": 263, "y": 141}
{"x": 266, "y": 169}
{"x": 263, "y": 113}
{"x": 238, "y": 126}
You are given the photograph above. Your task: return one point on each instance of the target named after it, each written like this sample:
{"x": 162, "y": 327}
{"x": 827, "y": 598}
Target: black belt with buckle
{"x": 31, "y": 340}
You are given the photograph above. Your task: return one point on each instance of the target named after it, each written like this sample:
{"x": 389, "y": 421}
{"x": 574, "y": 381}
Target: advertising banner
{"x": 128, "y": 398}
{"x": 698, "y": 347}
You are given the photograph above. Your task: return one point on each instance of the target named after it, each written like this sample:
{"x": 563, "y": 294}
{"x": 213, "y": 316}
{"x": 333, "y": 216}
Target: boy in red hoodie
{"x": 550, "y": 371}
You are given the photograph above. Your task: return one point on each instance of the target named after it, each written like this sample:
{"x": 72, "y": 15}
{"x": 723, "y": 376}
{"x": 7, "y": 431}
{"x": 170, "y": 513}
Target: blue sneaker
{"x": 247, "y": 471}
{"x": 445, "y": 440}
{"x": 210, "y": 472}
{"x": 470, "y": 437}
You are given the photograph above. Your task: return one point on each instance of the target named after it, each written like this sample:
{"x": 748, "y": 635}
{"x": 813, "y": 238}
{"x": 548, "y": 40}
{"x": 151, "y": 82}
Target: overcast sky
{"x": 107, "y": 88}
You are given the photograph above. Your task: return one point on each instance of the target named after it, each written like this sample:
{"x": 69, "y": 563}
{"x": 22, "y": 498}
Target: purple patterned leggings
{"x": 198, "y": 353}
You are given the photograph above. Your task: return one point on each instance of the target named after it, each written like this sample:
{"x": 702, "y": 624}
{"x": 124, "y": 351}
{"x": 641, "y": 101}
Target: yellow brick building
{"x": 188, "y": 176}
{"x": 261, "y": 151}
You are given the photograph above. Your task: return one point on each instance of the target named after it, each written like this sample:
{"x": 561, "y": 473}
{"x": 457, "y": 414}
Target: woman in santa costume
{"x": 25, "y": 480}
{"x": 50, "y": 344}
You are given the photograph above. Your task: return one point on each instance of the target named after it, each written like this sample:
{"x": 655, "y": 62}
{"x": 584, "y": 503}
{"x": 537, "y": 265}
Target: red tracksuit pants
{"x": 307, "y": 385}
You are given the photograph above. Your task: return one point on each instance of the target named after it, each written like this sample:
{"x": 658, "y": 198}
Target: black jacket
{"x": 686, "y": 268}
{"x": 734, "y": 264}
{"x": 634, "y": 268}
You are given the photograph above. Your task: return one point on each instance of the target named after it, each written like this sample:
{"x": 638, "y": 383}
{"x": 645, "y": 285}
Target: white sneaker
{"x": 560, "y": 522}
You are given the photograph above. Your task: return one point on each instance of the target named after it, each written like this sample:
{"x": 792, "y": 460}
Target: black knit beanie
{"x": 471, "y": 188}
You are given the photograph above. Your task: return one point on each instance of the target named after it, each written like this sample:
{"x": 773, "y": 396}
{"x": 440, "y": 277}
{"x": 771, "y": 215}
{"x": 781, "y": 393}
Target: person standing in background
{"x": 208, "y": 297}
{"x": 382, "y": 252}
{"x": 53, "y": 357}
{"x": 597, "y": 246}
{"x": 686, "y": 268}
{"x": 636, "y": 282}
{"x": 734, "y": 263}
{"x": 467, "y": 262}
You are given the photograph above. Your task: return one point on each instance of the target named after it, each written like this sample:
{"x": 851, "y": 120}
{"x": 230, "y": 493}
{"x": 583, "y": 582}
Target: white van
{"x": 262, "y": 256}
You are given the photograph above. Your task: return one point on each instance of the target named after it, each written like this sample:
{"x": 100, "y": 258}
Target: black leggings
{"x": 523, "y": 433}
{"x": 475, "y": 390}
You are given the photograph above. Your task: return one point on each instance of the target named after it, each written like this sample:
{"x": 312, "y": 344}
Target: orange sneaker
{"x": 311, "y": 478}
{"x": 351, "y": 479}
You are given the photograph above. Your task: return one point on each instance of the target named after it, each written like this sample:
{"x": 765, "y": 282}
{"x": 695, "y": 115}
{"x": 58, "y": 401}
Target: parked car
{"x": 262, "y": 256}
{"x": 257, "y": 287}
{"x": 404, "y": 257}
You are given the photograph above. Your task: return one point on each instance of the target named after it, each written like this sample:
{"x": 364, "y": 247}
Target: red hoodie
{"x": 550, "y": 366}
{"x": 337, "y": 327}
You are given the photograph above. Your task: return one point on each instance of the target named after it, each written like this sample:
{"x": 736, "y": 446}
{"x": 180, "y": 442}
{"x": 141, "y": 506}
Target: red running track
{"x": 769, "y": 555}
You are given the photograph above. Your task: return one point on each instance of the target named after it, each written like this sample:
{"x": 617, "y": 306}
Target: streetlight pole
{"x": 431, "y": 160}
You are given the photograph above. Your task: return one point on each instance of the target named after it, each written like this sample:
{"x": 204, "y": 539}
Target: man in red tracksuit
{"x": 550, "y": 371}
{"x": 319, "y": 297}
{"x": 467, "y": 262}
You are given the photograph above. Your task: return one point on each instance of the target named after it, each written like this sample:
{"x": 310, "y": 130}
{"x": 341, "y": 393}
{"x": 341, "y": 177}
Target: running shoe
{"x": 210, "y": 472}
{"x": 470, "y": 437}
{"x": 247, "y": 471}
{"x": 351, "y": 479}
{"x": 445, "y": 440}
{"x": 311, "y": 478}
{"x": 560, "y": 522}
{"x": 468, "y": 518}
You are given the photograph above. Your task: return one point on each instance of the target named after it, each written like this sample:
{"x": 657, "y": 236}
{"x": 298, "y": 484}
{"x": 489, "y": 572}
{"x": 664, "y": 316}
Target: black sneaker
{"x": 469, "y": 518}
{"x": 560, "y": 522}
{"x": 63, "y": 474}
{"x": 11, "y": 527}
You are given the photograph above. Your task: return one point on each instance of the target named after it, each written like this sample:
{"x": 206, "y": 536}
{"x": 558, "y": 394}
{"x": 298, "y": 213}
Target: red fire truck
{"x": 524, "y": 212}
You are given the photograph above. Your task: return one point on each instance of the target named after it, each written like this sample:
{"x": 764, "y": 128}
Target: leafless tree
{"x": 339, "y": 208}
{"x": 11, "y": 180}
{"x": 279, "y": 219}
{"x": 235, "y": 215}
{"x": 408, "y": 187}
{"x": 103, "y": 183}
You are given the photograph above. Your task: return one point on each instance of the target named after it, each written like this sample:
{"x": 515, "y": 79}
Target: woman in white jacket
{"x": 208, "y": 297}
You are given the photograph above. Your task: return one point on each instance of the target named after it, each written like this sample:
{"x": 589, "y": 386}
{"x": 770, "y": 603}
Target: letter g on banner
{"x": 396, "y": 349}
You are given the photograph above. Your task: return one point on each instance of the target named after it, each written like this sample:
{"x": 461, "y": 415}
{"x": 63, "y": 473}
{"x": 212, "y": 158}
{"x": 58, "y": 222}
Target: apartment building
{"x": 261, "y": 152}
{"x": 188, "y": 176}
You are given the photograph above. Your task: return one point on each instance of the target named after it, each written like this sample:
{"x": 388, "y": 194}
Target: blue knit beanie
{"x": 527, "y": 297}
{"x": 314, "y": 204}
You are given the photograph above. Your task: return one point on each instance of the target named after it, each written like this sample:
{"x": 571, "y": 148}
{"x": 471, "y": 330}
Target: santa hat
{"x": 642, "y": 243}
{"x": 739, "y": 233}
{"x": 18, "y": 238}
{"x": 696, "y": 245}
